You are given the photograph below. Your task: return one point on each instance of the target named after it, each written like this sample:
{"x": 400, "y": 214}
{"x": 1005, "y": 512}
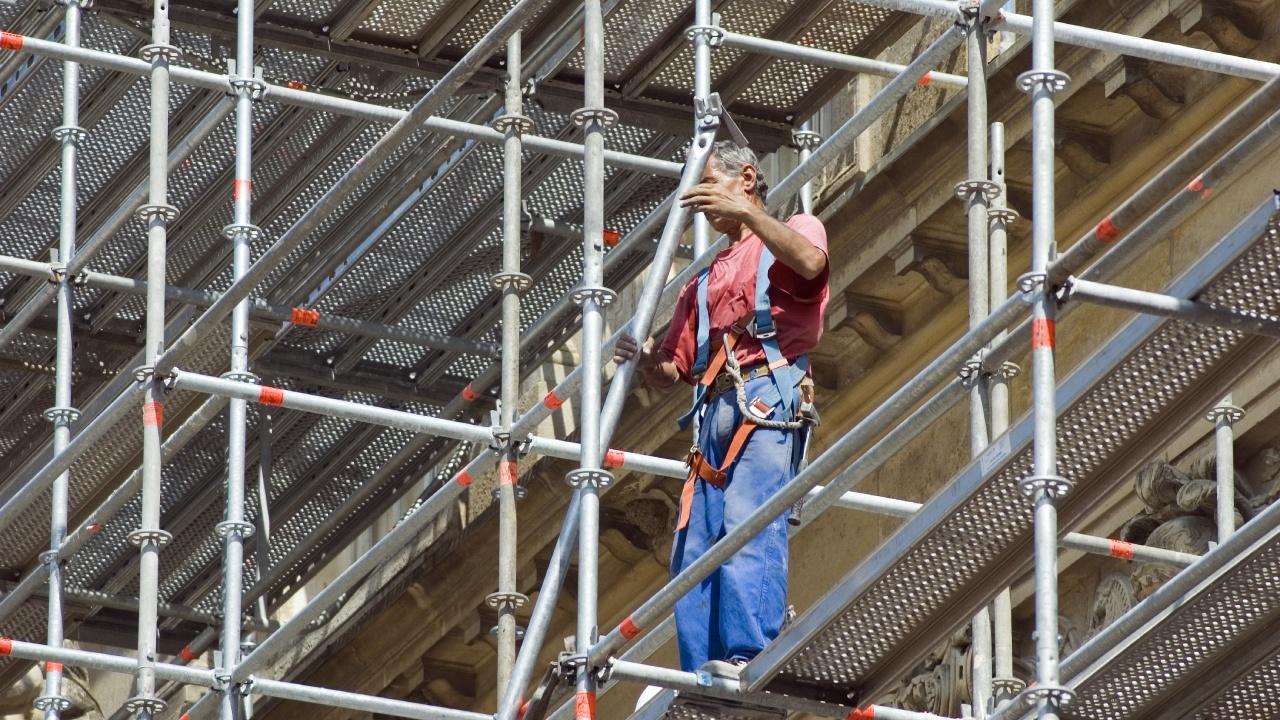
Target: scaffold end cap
{"x": 583, "y": 477}
{"x": 1056, "y": 485}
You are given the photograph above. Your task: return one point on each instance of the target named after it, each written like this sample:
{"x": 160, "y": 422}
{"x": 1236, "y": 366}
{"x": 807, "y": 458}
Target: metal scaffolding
{"x": 826, "y": 663}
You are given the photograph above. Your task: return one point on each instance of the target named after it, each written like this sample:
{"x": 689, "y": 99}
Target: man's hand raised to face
{"x": 714, "y": 199}
{"x": 652, "y": 368}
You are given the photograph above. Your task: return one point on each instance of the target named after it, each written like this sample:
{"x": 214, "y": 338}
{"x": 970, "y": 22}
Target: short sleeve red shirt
{"x": 798, "y": 304}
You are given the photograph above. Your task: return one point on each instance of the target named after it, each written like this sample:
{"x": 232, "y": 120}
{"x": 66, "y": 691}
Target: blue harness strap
{"x": 786, "y": 375}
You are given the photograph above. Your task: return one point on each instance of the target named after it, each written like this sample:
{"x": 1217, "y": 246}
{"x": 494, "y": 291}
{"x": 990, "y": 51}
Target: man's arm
{"x": 788, "y": 246}
{"x": 657, "y": 369}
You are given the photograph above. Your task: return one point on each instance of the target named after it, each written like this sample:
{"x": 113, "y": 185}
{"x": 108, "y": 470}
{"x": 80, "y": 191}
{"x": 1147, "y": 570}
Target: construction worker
{"x": 740, "y": 333}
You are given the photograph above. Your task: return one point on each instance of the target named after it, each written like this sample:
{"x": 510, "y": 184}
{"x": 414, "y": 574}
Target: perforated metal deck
{"x": 1146, "y": 383}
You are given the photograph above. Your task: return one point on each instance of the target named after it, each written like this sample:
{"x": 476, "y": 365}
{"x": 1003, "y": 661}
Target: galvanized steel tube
{"x": 827, "y": 58}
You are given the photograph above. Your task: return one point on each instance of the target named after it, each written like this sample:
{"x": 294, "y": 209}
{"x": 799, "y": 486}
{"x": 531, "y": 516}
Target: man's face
{"x": 740, "y": 185}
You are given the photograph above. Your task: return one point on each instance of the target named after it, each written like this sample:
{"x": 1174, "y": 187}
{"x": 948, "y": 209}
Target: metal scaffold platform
{"x": 273, "y": 269}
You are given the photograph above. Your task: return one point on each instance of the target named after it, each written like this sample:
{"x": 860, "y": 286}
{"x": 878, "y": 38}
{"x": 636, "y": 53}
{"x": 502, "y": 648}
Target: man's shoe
{"x": 726, "y": 669}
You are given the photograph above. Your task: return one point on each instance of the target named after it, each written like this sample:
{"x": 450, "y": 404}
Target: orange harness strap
{"x": 699, "y": 468}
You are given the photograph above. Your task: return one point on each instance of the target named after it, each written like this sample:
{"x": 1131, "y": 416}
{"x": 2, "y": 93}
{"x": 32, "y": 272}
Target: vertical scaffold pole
{"x": 805, "y": 140}
{"x": 589, "y": 478}
{"x": 701, "y": 36}
{"x": 241, "y": 232}
{"x": 1044, "y": 486}
{"x": 62, "y": 414}
{"x": 157, "y": 213}
{"x": 511, "y": 282}
{"x": 1004, "y": 686}
{"x": 976, "y": 192}
{"x": 1223, "y": 416}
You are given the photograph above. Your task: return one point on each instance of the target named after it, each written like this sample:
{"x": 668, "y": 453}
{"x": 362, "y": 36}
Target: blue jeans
{"x": 739, "y": 608}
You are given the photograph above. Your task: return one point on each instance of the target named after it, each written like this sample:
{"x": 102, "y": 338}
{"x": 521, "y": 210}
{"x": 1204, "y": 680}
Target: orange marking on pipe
{"x": 52, "y": 667}
{"x": 153, "y": 414}
{"x": 507, "y": 472}
{"x": 464, "y": 478}
{"x": 611, "y": 238}
{"x": 1122, "y": 549}
{"x": 95, "y": 528}
{"x": 6, "y": 646}
{"x": 613, "y": 459}
{"x": 628, "y": 629}
{"x": 1106, "y": 231}
{"x": 866, "y": 713}
{"x": 186, "y": 654}
{"x": 10, "y": 41}
{"x": 584, "y": 705}
{"x": 552, "y": 401}
{"x": 271, "y": 396}
{"x": 1198, "y": 187}
{"x": 469, "y": 393}
{"x": 925, "y": 79}
{"x": 241, "y": 188}
{"x": 524, "y": 708}
{"x": 1042, "y": 334}
{"x": 304, "y": 316}
{"x": 296, "y": 85}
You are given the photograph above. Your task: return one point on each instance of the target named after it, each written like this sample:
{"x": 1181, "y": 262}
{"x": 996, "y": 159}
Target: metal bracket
{"x": 1007, "y": 371}
{"x": 1056, "y": 485}
{"x": 145, "y": 703}
{"x": 253, "y": 84}
{"x": 514, "y": 600}
{"x": 240, "y": 376}
{"x": 57, "y": 272}
{"x": 965, "y": 189}
{"x": 73, "y": 134}
{"x": 225, "y": 528}
{"x": 521, "y": 492}
{"x": 138, "y": 537}
{"x": 143, "y": 373}
{"x": 163, "y": 211}
{"x": 805, "y": 139}
{"x": 1007, "y": 686}
{"x": 606, "y": 117}
{"x": 583, "y": 477}
{"x": 1055, "y": 81}
{"x": 517, "y": 280}
{"x": 235, "y": 230}
{"x": 972, "y": 371}
{"x": 1232, "y": 413}
{"x": 1029, "y": 284}
{"x": 1008, "y": 216}
{"x": 49, "y": 557}
{"x": 602, "y": 296}
{"x": 1057, "y": 695}
{"x": 714, "y": 35}
{"x": 46, "y": 703}
{"x": 521, "y": 124}
{"x": 166, "y": 51}
{"x": 61, "y": 415}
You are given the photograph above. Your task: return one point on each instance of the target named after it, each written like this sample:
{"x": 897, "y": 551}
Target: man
{"x": 739, "y": 332}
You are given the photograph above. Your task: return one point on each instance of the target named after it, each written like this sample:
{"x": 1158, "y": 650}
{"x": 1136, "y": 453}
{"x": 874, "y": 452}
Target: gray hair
{"x": 733, "y": 157}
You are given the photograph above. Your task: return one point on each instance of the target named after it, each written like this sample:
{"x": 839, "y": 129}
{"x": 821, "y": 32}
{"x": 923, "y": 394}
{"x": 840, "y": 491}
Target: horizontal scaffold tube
{"x": 333, "y": 104}
{"x": 259, "y": 308}
{"x": 1151, "y": 303}
{"x": 839, "y": 61}
{"x": 1113, "y": 42}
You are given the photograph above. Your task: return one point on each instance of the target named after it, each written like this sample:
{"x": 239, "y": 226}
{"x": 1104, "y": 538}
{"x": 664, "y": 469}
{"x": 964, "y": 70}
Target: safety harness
{"x": 787, "y": 376}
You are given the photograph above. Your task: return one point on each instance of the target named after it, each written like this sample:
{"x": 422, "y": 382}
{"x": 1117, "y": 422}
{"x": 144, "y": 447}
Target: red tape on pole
{"x": 95, "y": 528}
{"x": 469, "y": 393}
{"x": 241, "y": 188}
{"x": 1198, "y": 187}
{"x": 925, "y": 79}
{"x": 271, "y": 396}
{"x": 153, "y": 414}
{"x": 296, "y": 85}
{"x": 304, "y": 316}
{"x": 464, "y": 478}
{"x": 1106, "y": 231}
{"x": 1122, "y": 549}
{"x": 186, "y": 654}
{"x": 6, "y": 646}
{"x": 1042, "y": 334}
{"x": 507, "y": 473}
{"x": 52, "y": 667}
{"x": 628, "y": 628}
{"x": 524, "y": 708}
{"x": 584, "y": 706}
{"x": 613, "y": 459}
{"x": 10, "y": 41}
{"x": 552, "y": 401}
{"x": 866, "y": 713}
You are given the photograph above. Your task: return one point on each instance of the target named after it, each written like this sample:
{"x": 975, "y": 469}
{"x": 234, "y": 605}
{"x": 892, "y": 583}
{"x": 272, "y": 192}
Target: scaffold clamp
{"x": 1008, "y": 216}
{"x": 243, "y": 376}
{"x": 713, "y": 34}
{"x": 253, "y": 84}
{"x": 145, "y": 703}
{"x": 499, "y": 600}
{"x": 584, "y": 115}
{"x": 805, "y": 139}
{"x": 57, "y": 272}
{"x": 521, "y": 124}
{"x": 966, "y": 189}
{"x": 46, "y": 703}
{"x": 593, "y": 477}
{"x": 138, "y": 538}
{"x": 144, "y": 373}
{"x": 1030, "y": 284}
{"x": 250, "y": 231}
{"x": 1007, "y": 687}
{"x": 1055, "y": 485}
{"x": 521, "y": 492}
{"x": 61, "y": 415}
{"x": 162, "y": 211}
{"x": 49, "y": 558}
{"x": 972, "y": 371}
{"x": 521, "y": 282}
{"x": 1232, "y": 413}
{"x": 225, "y": 528}
{"x": 1058, "y": 695}
{"x": 1055, "y": 81}
{"x": 601, "y": 296}
{"x": 73, "y": 134}
{"x": 172, "y": 53}
{"x": 1008, "y": 370}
